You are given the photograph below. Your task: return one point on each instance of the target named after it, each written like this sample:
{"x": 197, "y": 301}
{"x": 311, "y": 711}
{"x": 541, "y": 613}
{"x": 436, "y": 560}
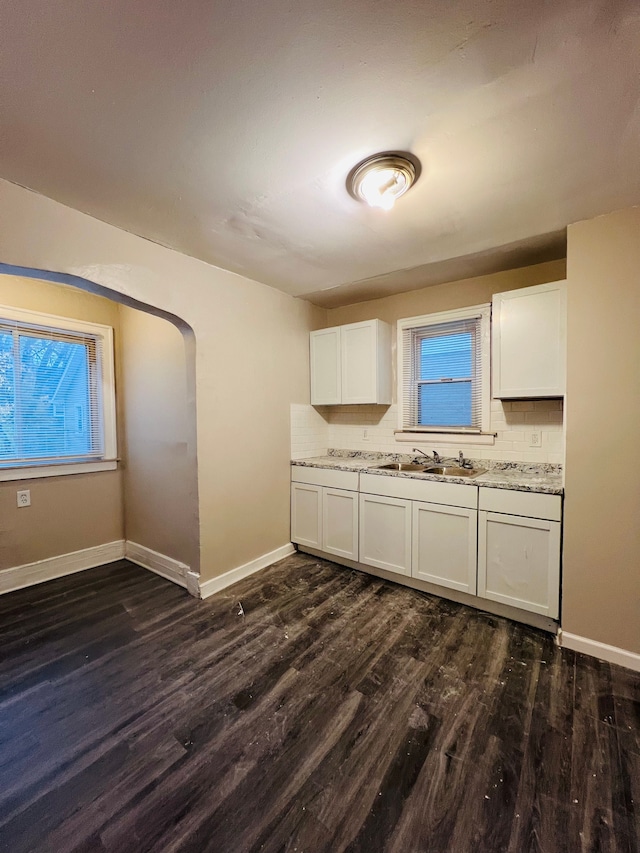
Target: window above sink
{"x": 443, "y": 364}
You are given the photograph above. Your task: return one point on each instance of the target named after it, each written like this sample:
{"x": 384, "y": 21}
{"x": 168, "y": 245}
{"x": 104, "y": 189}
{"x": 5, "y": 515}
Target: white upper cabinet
{"x": 365, "y": 350}
{"x": 529, "y": 342}
{"x": 351, "y": 364}
{"x": 326, "y": 378}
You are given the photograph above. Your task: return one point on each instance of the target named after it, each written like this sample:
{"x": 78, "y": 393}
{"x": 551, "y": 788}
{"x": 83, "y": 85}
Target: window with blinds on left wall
{"x": 57, "y": 398}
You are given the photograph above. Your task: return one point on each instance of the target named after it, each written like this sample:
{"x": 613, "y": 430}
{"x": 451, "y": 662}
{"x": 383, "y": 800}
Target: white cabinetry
{"x": 501, "y": 545}
{"x": 340, "y": 523}
{"x": 519, "y": 550}
{"x": 325, "y": 516}
{"x": 529, "y": 342}
{"x": 351, "y": 364}
{"x": 385, "y": 533}
{"x": 306, "y": 514}
{"x": 326, "y": 378}
{"x": 444, "y": 545}
{"x": 421, "y": 528}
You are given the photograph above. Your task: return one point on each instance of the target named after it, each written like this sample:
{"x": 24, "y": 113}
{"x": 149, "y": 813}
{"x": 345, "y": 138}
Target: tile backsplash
{"x": 315, "y": 429}
{"x": 309, "y": 431}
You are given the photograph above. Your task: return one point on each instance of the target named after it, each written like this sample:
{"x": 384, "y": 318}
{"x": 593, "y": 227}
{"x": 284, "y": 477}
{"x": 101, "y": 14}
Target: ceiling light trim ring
{"x": 382, "y": 178}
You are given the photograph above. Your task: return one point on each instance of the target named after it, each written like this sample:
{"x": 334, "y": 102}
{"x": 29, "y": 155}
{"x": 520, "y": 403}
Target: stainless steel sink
{"x": 402, "y": 466}
{"x": 442, "y": 470}
{"x": 454, "y": 471}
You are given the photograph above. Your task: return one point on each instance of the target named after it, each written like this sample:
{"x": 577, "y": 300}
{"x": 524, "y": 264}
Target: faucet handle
{"x": 464, "y": 463}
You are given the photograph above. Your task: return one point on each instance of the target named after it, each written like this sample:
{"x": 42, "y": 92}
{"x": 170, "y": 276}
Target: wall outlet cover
{"x": 535, "y": 438}
{"x": 24, "y": 497}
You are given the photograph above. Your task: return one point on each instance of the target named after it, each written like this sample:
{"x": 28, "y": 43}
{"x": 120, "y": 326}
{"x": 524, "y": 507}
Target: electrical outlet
{"x": 24, "y": 497}
{"x": 535, "y": 438}
{"x": 365, "y": 435}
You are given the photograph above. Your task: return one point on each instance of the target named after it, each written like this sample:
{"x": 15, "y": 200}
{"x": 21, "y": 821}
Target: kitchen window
{"x": 57, "y": 398}
{"x": 443, "y": 362}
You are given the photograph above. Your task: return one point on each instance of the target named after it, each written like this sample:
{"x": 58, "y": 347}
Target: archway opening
{"x": 146, "y": 504}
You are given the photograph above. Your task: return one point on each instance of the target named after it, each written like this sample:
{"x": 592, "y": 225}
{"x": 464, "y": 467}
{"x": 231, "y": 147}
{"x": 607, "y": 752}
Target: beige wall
{"x": 160, "y": 468}
{"x": 66, "y": 513}
{"x": 601, "y": 588}
{"x": 251, "y": 362}
{"x": 509, "y": 421}
{"x": 446, "y": 297}
{"x": 253, "y": 358}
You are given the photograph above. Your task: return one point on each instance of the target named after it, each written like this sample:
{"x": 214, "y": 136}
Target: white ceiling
{"x": 225, "y": 128}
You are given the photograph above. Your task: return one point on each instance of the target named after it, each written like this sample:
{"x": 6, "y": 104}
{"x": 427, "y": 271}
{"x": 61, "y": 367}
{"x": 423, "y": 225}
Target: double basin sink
{"x": 442, "y": 470}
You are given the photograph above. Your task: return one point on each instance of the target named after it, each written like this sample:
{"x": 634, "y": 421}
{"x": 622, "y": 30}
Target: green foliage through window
{"x": 47, "y": 408}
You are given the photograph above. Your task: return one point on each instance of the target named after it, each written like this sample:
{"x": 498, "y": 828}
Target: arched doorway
{"x": 149, "y": 501}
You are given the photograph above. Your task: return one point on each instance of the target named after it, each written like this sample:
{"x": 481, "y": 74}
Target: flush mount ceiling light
{"x": 381, "y": 179}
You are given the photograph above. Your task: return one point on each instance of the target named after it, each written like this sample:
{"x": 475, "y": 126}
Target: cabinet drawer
{"x": 529, "y": 504}
{"x": 325, "y": 477}
{"x": 431, "y": 491}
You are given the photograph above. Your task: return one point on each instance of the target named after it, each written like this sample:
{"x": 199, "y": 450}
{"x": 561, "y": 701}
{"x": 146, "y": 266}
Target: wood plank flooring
{"x": 308, "y": 708}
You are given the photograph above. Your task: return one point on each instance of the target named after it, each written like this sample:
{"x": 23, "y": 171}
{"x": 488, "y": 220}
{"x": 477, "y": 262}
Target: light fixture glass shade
{"x": 381, "y": 179}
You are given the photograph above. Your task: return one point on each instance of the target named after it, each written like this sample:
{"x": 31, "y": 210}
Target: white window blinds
{"x": 444, "y": 372}
{"x": 51, "y": 394}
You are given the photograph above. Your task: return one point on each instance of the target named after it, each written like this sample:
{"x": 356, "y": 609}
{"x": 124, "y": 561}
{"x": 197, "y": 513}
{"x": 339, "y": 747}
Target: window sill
{"x": 37, "y": 472}
{"x": 425, "y": 437}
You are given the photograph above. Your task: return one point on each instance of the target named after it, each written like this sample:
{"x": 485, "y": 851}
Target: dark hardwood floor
{"x": 309, "y": 708}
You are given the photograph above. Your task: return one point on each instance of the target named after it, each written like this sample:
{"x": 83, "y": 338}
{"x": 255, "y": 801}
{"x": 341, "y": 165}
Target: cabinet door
{"x": 340, "y": 523}
{"x": 519, "y": 562}
{"x": 325, "y": 367}
{"x": 385, "y": 533}
{"x": 529, "y": 342}
{"x": 306, "y": 514}
{"x": 444, "y": 546}
{"x": 359, "y": 363}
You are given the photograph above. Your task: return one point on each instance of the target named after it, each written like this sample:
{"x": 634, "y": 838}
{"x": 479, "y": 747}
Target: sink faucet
{"x": 462, "y": 462}
{"x": 436, "y": 458}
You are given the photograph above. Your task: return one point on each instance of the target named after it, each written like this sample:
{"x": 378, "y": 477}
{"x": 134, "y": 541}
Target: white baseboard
{"x": 223, "y": 581}
{"x": 612, "y": 654}
{"x": 166, "y": 567}
{"x": 193, "y": 583}
{"x": 29, "y": 574}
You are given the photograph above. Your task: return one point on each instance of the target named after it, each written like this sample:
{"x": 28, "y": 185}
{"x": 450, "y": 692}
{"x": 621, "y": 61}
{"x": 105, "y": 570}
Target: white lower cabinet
{"x": 519, "y": 556}
{"x": 497, "y": 544}
{"x": 325, "y": 517}
{"x": 306, "y": 514}
{"x": 444, "y": 546}
{"x": 340, "y": 523}
{"x": 385, "y": 533}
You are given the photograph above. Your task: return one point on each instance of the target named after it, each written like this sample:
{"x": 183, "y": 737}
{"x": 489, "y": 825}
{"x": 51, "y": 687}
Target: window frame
{"x": 77, "y": 465}
{"x": 483, "y": 355}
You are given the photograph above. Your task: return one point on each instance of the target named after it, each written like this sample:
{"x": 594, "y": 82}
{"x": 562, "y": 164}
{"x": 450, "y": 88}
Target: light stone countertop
{"x": 521, "y": 477}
